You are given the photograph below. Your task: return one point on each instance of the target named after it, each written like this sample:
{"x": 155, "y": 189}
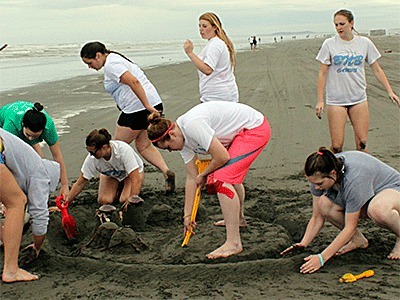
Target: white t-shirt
{"x": 206, "y": 120}
{"x": 122, "y": 162}
{"x": 346, "y": 84}
{"x": 220, "y": 85}
{"x": 114, "y": 67}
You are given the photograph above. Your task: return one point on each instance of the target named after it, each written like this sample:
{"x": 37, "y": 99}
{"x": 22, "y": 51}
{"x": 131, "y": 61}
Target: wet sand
{"x": 280, "y": 81}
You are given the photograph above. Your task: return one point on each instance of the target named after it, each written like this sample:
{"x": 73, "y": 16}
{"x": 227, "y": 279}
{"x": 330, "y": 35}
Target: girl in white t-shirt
{"x": 116, "y": 162}
{"x": 135, "y": 96}
{"x": 342, "y": 75}
{"x": 215, "y": 63}
{"x": 234, "y": 135}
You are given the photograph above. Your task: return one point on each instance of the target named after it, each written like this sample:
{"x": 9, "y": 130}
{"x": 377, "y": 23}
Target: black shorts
{"x": 137, "y": 120}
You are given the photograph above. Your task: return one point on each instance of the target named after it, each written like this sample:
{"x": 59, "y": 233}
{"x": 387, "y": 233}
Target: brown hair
{"x": 348, "y": 15}
{"x": 214, "y": 21}
{"x": 323, "y": 161}
{"x": 158, "y": 127}
{"x": 98, "y": 138}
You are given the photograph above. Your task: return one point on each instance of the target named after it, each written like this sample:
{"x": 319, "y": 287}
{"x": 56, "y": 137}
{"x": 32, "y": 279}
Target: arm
{"x": 380, "y": 75}
{"x": 130, "y": 80}
{"x": 314, "y": 226}
{"x": 313, "y": 263}
{"x": 57, "y": 156}
{"x": 220, "y": 156}
{"x": 199, "y": 64}
{"x": 136, "y": 180}
{"x": 190, "y": 191}
{"x": 76, "y": 188}
{"x": 323, "y": 71}
{"x": 38, "y": 149}
{"x": 38, "y": 194}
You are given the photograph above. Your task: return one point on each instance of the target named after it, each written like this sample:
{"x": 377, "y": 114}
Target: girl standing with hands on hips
{"x": 346, "y": 187}
{"x": 215, "y": 63}
{"x": 234, "y": 135}
{"x": 135, "y": 96}
{"x": 342, "y": 72}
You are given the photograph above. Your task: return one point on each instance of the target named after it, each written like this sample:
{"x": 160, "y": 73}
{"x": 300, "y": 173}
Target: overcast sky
{"x": 78, "y": 21}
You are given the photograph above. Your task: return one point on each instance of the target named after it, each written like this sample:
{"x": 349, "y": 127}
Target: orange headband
{"x": 164, "y": 134}
{"x": 320, "y": 153}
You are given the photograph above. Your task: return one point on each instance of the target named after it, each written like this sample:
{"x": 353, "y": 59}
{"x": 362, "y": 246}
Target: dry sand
{"x": 280, "y": 81}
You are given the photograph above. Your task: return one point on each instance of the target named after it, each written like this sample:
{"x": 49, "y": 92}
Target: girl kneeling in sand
{"x": 117, "y": 162}
{"x": 234, "y": 135}
{"x": 346, "y": 187}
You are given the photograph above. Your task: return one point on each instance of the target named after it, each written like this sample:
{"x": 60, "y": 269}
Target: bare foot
{"x": 395, "y": 254}
{"x": 221, "y": 223}
{"x": 225, "y": 251}
{"x": 359, "y": 243}
{"x": 20, "y": 275}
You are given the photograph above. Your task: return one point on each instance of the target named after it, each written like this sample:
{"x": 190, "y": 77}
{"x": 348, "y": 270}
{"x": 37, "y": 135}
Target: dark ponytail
{"x": 323, "y": 162}
{"x": 34, "y": 119}
{"x": 90, "y": 50}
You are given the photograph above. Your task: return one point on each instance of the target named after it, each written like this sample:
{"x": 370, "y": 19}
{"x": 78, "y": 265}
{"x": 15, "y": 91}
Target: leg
{"x": 239, "y": 188}
{"x": 14, "y": 200}
{"x": 132, "y": 186}
{"x": 231, "y": 211}
{"x": 153, "y": 156}
{"x": 125, "y": 134}
{"x": 359, "y": 117}
{"x": 337, "y": 117}
{"x": 384, "y": 210}
{"x": 108, "y": 188}
{"x": 335, "y": 215}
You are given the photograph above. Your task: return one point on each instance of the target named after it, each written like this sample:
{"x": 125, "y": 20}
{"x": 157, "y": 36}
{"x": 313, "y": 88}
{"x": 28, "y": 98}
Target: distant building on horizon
{"x": 376, "y": 32}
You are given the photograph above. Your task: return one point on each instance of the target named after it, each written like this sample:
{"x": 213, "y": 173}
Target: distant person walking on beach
{"x": 31, "y": 123}
{"x": 346, "y": 187}
{"x": 26, "y": 180}
{"x": 117, "y": 162}
{"x": 342, "y": 72}
{"x": 135, "y": 96}
{"x": 215, "y": 63}
{"x": 254, "y": 43}
{"x": 234, "y": 135}
{"x": 250, "y": 39}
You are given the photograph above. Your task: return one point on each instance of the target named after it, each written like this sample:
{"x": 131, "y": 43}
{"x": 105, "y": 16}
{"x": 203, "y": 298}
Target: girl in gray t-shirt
{"x": 28, "y": 179}
{"x": 346, "y": 187}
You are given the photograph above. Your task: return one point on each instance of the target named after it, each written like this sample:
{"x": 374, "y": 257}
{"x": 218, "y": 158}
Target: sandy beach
{"x": 279, "y": 80}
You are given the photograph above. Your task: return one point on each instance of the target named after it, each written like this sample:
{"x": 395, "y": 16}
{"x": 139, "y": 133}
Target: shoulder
{"x": 216, "y": 42}
{"x": 330, "y": 40}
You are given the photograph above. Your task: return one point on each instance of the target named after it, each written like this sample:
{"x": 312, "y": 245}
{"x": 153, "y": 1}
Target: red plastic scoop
{"x": 68, "y": 221}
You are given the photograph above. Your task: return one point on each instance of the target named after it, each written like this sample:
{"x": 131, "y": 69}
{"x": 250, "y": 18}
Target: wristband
{"x": 187, "y": 216}
{"x": 321, "y": 259}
